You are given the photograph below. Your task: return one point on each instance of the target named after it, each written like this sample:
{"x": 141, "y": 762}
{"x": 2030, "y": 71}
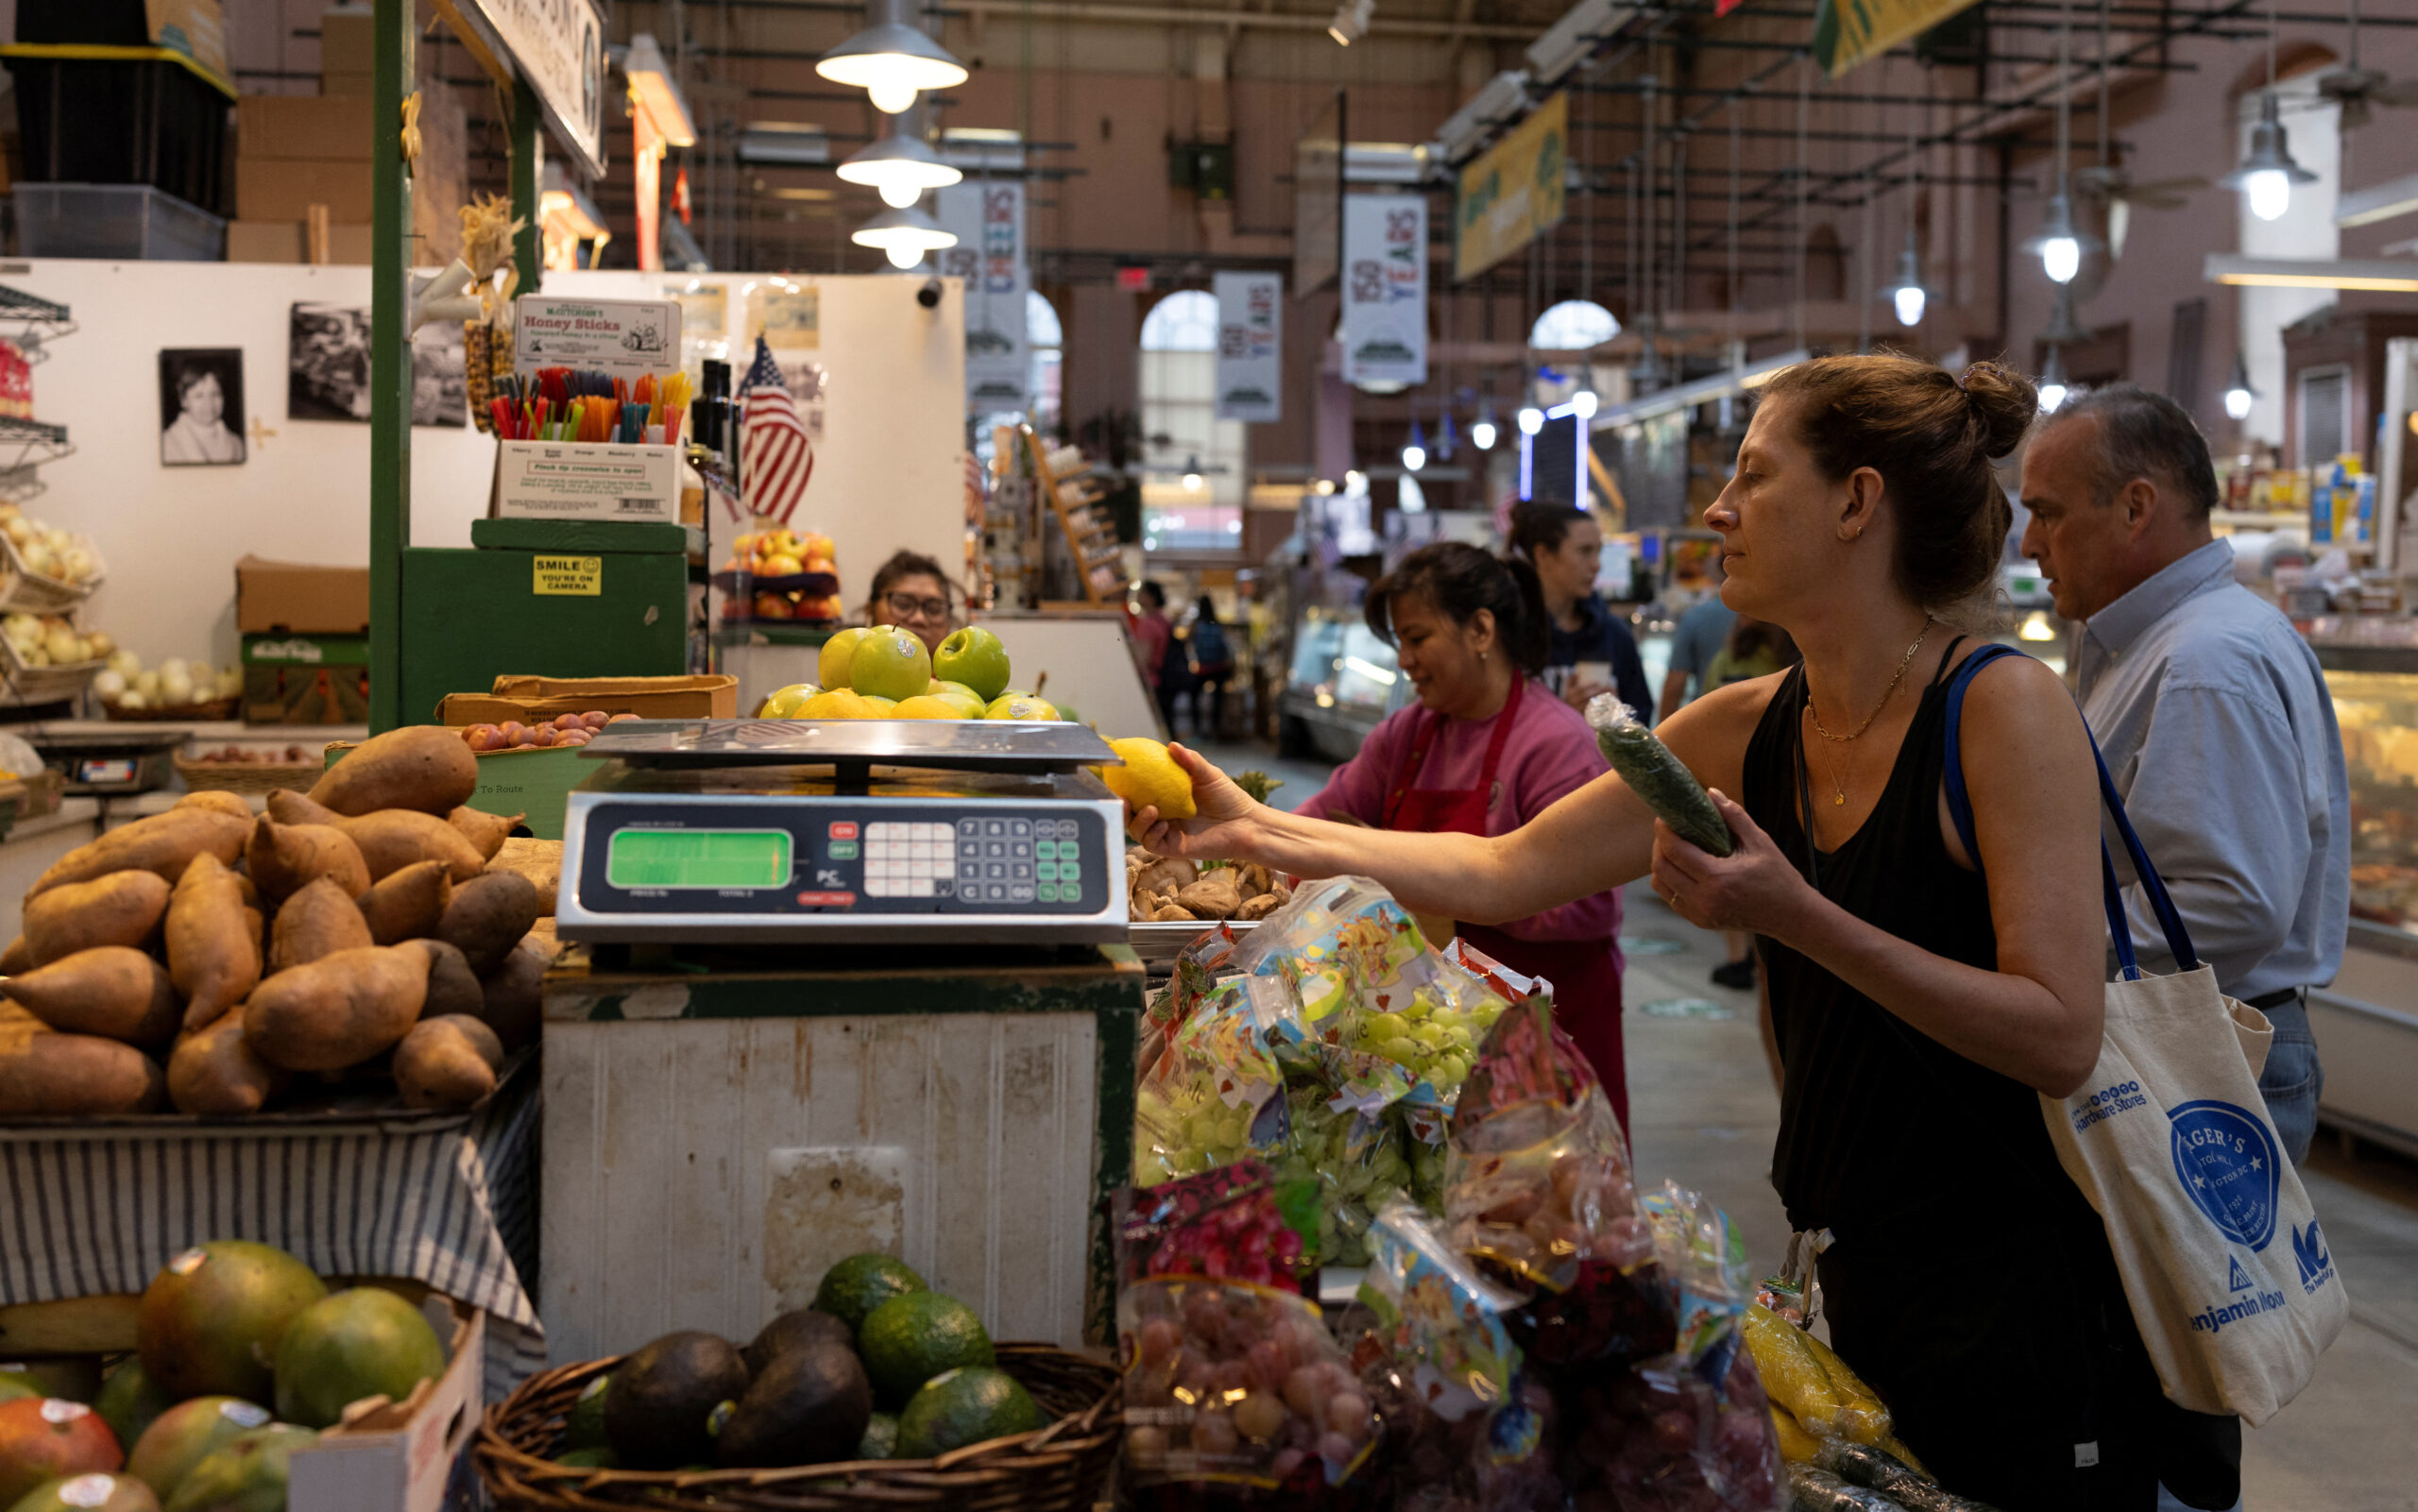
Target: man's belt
{"x": 2282, "y": 997}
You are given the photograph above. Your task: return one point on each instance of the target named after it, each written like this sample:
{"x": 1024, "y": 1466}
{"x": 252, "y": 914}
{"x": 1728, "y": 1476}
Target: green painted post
{"x": 390, "y": 360}
{"x": 524, "y": 183}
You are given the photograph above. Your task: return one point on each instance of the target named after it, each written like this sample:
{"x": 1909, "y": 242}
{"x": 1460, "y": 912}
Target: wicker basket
{"x": 22, "y": 684}
{"x": 32, "y": 593}
{"x": 211, "y": 713}
{"x": 1060, "y": 1469}
{"x": 246, "y": 776}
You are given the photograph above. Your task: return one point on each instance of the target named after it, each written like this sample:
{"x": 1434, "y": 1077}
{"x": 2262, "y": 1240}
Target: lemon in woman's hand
{"x": 1150, "y": 777}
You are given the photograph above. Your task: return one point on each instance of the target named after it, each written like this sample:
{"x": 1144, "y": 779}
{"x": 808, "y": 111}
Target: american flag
{"x": 775, "y": 455}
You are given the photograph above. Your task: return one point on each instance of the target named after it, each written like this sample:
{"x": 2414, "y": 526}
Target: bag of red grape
{"x": 1466, "y": 1431}
{"x": 1232, "y": 1379}
{"x": 1537, "y": 1192}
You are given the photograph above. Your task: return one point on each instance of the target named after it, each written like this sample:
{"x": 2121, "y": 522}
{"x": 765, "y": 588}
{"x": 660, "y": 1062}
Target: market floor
{"x": 1703, "y": 1113}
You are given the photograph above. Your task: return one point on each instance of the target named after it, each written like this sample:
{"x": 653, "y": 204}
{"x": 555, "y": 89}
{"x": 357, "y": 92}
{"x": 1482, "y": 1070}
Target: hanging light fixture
{"x": 2063, "y": 330}
{"x": 2268, "y": 172}
{"x": 2052, "y": 381}
{"x": 1532, "y": 419}
{"x": 2239, "y": 396}
{"x": 1351, "y": 21}
{"x": 1414, "y": 452}
{"x": 1483, "y": 431}
{"x": 1192, "y": 475}
{"x": 901, "y": 163}
{"x": 2059, "y": 242}
{"x": 1445, "y": 439}
{"x": 1908, "y": 295}
{"x": 904, "y": 235}
{"x": 893, "y": 58}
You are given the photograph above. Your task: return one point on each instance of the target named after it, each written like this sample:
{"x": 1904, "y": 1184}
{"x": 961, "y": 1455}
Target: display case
{"x": 1343, "y": 681}
{"x": 2366, "y": 1022}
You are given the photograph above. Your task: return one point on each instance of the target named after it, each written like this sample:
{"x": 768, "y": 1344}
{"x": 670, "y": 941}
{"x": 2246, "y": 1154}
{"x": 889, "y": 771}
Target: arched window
{"x": 1046, "y": 342}
{"x": 1574, "y": 325}
{"x": 1192, "y": 483}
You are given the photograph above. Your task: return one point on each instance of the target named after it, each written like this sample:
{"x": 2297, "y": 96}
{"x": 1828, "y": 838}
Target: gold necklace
{"x": 1836, "y": 786}
{"x": 1895, "y": 678}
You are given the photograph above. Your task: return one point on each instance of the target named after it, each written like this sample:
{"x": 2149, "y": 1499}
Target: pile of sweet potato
{"x": 208, "y": 957}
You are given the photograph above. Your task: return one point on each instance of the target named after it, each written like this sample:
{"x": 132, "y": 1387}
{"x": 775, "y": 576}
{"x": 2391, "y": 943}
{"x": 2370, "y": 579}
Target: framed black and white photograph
{"x": 201, "y": 407}
{"x": 440, "y": 376}
{"x": 328, "y": 369}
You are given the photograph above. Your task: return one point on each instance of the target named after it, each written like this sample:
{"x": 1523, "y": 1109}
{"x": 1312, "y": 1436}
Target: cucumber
{"x": 1655, "y": 776}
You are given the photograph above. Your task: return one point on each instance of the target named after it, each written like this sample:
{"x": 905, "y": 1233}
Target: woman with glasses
{"x": 911, "y": 592}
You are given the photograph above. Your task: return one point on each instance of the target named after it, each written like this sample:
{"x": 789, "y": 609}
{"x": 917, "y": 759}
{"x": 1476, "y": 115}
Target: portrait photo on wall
{"x": 201, "y": 407}
{"x": 328, "y": 369}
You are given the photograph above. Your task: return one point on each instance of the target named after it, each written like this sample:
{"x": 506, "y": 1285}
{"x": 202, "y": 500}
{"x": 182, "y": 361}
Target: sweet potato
{"x": 392, "y": 838}
{"x": 318, "y": 921}
{"x": 284, "y": 857}
{"x": 18, "y": 957}
{"x": 165, "y": 844}
{"x": 488, "y": 915}
{"x": 487, "y": 831}
{"x": 452, "y": 987}
{"x": 46, "y": 1074}
{"x": 406, "y": 905}
{"x": 113, "y": 991}
{"x": 213, "y": 941}
{"x": 446, "y": 1063}
{"x": 513, "y": 993}
{"x": 214, "y": 1071}
{"x": 540, "y": 861}
{"x": 425, "y": 767}
{"x": 287, "y": 807}
{"x": 218, "y": 801}
{"x": 121, "y": 909}
{"x": 338, "y": 1010}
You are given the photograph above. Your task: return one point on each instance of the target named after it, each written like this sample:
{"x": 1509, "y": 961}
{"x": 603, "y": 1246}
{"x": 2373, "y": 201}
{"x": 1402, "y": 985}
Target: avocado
{"x": 881, "y": 1437}
{"x": 790, "y": 1331}
{"x": 655, "y": 1414}
{"x": 966, "y": 1406}
{"x": 808, "y": 1407}
{"x": 599, "y": 1458}
{"x": 583, "y": 1425}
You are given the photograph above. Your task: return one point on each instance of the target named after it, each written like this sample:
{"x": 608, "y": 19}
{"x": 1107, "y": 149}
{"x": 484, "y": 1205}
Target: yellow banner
{"x": 1513, "y": 191}
{"x": 1848, "y": 32}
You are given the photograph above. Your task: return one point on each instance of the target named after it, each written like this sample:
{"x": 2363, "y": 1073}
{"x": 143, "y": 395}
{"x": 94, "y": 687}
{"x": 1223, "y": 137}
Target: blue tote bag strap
{"x": 1960, "y": 813}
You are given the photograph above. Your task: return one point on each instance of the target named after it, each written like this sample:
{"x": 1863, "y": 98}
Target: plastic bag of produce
{"x": 1211, "y": 1096}
{"x": 1465, "y": 1431}
{"x": 1339, "y": 945}
{"x": 1230, "y": 1376}
{"x": 1339, "y": 1134}
{"x": 1537, "y": 1192}
{"x": 1814, "y": 1385}
{"x": 1655, "y": 776}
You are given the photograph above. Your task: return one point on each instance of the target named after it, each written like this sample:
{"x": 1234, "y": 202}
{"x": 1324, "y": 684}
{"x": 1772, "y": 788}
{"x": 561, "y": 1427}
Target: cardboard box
{"x": 318, "y": 127}
{"x": 532, "y": 700}
{"x": 283, "y": 189}
{"x": 283, "y": 596}
{"x": 300, "y": 679}
{"x": 359, "y": 84}
{"x": 570, "y": 479}
{"x": 347, "y": 43}
{"x": 399, "y": 1457}
{"x": 265, "y": 241}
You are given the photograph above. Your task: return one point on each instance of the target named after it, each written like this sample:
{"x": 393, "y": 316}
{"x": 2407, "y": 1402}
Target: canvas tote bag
{"x": 2221, "y": 1257}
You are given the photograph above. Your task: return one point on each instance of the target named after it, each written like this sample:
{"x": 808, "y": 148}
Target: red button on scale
{"x": 843, "y": 829}
{"x": 826, "y": 900}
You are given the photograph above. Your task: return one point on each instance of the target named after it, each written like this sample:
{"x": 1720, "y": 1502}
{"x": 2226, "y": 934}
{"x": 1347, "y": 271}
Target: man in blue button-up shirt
{"x": 2212, "y": 713}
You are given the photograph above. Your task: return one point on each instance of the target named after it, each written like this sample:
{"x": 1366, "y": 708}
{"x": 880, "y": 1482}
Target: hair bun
{"x": 2003, "y": 402}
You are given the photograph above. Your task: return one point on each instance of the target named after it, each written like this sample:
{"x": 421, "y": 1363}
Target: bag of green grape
{"x": 1206, "y": 1101}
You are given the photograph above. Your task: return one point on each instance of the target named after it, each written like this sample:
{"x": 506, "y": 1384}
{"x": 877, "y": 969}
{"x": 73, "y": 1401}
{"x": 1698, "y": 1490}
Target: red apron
{"x": 1586, "y": 974}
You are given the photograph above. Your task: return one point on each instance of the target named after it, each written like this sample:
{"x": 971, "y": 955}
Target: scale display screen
{"x": 699, "y": 858}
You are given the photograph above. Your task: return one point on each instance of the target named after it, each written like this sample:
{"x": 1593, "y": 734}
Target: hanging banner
{"x": 1513, "y": 191}
{"x": 559, "y": 47}
{"x": 1848, "y": 32}
{"x": 1384, "y": 289}
{"x": 1250, "y": 347}
{"x": 990, "y": 255}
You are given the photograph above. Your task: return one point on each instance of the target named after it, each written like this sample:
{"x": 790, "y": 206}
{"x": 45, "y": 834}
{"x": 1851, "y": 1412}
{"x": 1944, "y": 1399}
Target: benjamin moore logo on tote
{"x": 2226, "y": 1159}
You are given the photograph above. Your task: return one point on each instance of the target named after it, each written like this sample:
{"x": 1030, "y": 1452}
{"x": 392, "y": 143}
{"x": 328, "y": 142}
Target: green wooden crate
{"x": 476, "y": 615}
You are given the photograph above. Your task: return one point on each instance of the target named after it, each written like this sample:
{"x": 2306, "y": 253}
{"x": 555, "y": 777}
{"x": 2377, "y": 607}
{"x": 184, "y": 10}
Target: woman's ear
{"x": 1860, "y": 506}
{"x": 1482, "y": 634}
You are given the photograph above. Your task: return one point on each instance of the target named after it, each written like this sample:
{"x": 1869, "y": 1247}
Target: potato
{"x": 46, "y": 1074}
{"x": 338, "y": 1010}
{"x": 318, "y": 921}
{"x": 121, "y": 909}
{"x": 213, "y": 941}
{"x": 18, "y": 957}
{"x": 165, "y": 844}
{"x": 214, "y": 1071}
{"x": 487, "y": 831}
{"x": 540, "y": 861}
{"x": 287, "y": 807}
{"x": 284, "y": 857}
{"x": 488, "y": 915}
{"x": 446, "y": 1063}
{"x": 223, "y": 803}
{"x": 406, "y": 905}
{"x": 513, "y": 993}
{"x": 113, "y": 990}
{"x": 392, "y": 838}
{"x": 425, "y": 767}
{"x": 452, "y": 987}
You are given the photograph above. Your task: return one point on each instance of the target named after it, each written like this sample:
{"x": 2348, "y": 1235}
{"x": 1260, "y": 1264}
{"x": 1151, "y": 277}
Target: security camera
{"x": 930, "y": 295}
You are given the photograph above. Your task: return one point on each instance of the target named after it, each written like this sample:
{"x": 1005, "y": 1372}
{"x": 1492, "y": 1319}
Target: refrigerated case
{"x": 1343, "y": 682}
{"x": 2366, "y": 1023}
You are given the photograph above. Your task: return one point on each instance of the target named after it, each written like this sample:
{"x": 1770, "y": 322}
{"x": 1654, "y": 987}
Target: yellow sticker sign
{"x": 568, "y": 576}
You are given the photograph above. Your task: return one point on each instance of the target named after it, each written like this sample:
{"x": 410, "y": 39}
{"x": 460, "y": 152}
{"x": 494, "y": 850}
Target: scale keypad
{"x": 1018, "y": 860}
{"x": 906, "y": 860}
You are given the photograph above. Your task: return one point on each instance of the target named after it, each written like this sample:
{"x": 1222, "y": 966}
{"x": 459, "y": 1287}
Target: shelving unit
{"x": 32, "y": 323}
{"x": 1091, "y": 536}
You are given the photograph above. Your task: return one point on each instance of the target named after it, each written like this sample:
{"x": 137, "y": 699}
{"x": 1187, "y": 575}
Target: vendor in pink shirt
{"x": 1484, "y": 750}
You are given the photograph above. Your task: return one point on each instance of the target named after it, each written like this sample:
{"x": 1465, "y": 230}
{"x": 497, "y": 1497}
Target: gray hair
{"x": 2143, "y": 434}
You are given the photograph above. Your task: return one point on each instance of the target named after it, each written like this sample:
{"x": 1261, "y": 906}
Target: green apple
{"x": 1019, "y": 707}
{"x": 890, "y": 663}
{"x": 784, "y": 701}
{"x": 975, "y": 657}
{"x": 966, "y": 698}
{"x": 832, "y": 670}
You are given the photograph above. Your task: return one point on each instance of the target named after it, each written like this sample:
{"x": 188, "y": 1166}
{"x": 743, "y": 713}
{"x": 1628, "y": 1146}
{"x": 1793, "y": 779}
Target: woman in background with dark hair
{"x": 911, "y": 592}
{"x": 1556, "y": 550}
{"x": 1485, "y": 749}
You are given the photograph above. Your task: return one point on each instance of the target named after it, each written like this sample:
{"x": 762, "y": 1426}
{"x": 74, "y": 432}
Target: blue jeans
{"x": 2292, "y": 1079}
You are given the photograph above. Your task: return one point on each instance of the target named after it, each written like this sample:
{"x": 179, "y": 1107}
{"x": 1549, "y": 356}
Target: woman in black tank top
{"x": 1920, "y": 1011}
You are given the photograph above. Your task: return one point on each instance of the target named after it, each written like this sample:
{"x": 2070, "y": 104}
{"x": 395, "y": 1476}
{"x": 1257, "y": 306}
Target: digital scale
{"x": 761, "y": 831}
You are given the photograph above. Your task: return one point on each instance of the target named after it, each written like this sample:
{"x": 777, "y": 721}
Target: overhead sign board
{"x": 559, "y": 47}
{"x": 1384, "y": 289}
{"x": 1513, "y": 191}
{"x": 989, "y": 220}
{"x": 1848, "y": 32}
{"x": 1251, "y": 340}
